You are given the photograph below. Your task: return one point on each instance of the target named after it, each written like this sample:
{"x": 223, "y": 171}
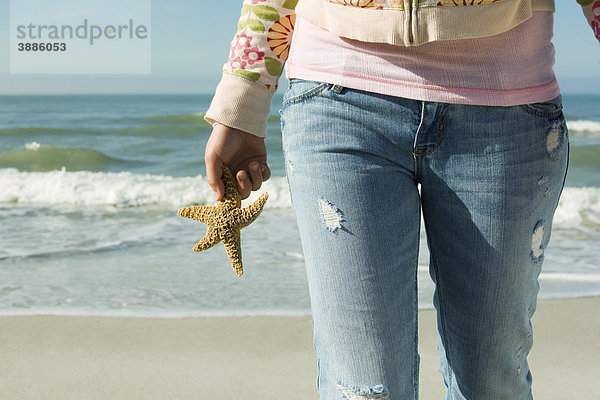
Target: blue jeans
{"x": 490, "y": 179}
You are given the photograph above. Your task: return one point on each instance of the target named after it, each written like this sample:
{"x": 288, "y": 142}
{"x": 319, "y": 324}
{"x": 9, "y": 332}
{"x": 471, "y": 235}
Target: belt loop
{"x": 337, "y": 89}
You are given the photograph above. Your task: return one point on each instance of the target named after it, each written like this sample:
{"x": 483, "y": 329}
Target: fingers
{"x": 266, "y": 172}
{"x": 252, "y": 179}
{"x": 255, "y": 175}
{"x": 244, "y": 184}
{"x": 248, "y": 181}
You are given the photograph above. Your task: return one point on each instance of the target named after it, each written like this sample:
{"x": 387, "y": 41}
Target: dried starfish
{"x": 225, "y": 220}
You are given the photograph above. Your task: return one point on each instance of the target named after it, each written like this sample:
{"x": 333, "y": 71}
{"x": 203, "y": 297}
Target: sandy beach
{"x": 50, "y": 357}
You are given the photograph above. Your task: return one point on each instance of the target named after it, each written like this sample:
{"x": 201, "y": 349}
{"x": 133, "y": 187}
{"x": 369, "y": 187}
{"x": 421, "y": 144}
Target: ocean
{"x": 89, "y": 192}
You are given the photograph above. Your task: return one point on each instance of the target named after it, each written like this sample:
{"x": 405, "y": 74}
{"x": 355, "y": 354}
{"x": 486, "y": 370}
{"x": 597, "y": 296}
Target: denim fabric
{"x": 362, "y": 167}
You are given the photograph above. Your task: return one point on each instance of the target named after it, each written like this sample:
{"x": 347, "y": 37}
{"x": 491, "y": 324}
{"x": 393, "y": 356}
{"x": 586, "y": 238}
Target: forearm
{"x": 591, "y": 10}
{"x": 256, "y": 59}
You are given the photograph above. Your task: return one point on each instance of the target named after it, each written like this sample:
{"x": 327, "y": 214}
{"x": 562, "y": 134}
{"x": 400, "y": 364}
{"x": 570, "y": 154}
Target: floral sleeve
{"x": 256, "y": 59}
{"x": 262, "y": 42}
{"x": 591, "y": 10}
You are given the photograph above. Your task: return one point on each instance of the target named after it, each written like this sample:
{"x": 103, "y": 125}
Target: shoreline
{"x": 248, "y": 357}
{"x": 226, "y": 313}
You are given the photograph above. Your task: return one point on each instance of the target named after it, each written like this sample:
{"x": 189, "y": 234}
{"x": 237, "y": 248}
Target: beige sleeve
{"x": 256, "y": 59}
{"x": 241, "y": 104}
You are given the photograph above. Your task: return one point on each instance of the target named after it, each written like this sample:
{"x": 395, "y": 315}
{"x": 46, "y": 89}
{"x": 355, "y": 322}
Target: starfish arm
{"x": 232, "y": 197}
{"x": 234, "y": 251}
{"x": 209, "y": 240}
{"x": 199, "y": 213}
{"x": 249, "y": 214}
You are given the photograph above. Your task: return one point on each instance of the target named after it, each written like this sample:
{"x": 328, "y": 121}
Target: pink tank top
{"x": 514, "y": 67}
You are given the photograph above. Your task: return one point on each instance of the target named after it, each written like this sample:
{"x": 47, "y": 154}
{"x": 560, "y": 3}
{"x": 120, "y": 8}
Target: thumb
{"x": 214, "y": 176}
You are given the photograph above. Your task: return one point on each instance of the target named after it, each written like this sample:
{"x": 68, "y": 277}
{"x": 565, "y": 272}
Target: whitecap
{"x": 584, "y": 126}
{"x": 577, "y": 206}
{"x": 122, "y": 189}
{"x": 33, "y": 146}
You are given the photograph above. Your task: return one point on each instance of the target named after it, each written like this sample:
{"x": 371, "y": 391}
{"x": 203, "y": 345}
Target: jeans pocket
{"x": 551, "y": 109}
{"x": 300, "y": 90}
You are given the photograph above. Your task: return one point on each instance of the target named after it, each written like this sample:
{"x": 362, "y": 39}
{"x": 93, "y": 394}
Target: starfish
{"x": 225, "y": 220}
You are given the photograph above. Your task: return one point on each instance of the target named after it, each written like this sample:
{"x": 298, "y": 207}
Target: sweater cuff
{"x": 241, "y": 104}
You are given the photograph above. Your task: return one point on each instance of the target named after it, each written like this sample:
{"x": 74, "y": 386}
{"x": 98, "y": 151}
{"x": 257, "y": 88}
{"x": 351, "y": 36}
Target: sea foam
{"x": 126, "y": 189}
{"x": 122, "y": 189}
{"x": 579, "y": 206}
{"x": 584, "y": 126}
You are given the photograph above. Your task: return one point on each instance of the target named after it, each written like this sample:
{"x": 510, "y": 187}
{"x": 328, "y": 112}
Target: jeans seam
{"x": 550, "y": 114}
{"x": 562, "y": 188}
{"x": 416, "y": 339}
{"x": 438, "y": 137}
{"x": 544, "y": 112}
{"x": 305, "y": 96}
{"x": 437, "y": 144}
{"x": 440, "y": 302}
{"x": 422, "y": 117}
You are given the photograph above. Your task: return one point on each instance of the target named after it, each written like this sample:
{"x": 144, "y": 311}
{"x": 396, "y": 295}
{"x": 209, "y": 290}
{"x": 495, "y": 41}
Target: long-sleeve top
{"x": 262, "y": 43}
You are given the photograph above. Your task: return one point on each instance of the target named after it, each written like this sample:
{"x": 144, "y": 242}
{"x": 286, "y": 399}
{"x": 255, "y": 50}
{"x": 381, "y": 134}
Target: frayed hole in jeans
{"x": 555, "y": 137}
{"x": 537, "y": 245}
{"x": 364, "y": 393}
{"x": 553, "y": 140}
{"x": 543, "y": 183}
{"x": 332, "y": 216}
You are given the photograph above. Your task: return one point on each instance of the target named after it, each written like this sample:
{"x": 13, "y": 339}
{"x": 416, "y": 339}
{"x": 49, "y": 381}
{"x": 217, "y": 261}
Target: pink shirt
{"x": 514, "y": 67}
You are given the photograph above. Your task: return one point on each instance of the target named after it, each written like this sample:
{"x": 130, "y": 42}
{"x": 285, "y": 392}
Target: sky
{"x": 190, "y": 42}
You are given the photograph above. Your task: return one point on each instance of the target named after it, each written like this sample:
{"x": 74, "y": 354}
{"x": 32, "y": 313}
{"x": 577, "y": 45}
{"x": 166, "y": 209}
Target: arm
{"x": 591, "y": 10}
{"x": 241, "y": 104}
{"x": 256, "y": 58}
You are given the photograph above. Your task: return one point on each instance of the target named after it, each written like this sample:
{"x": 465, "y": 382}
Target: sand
{"x": 81, "y": 358}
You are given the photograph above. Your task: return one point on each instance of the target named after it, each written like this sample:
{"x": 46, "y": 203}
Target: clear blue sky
{"x": 190, "y": 41}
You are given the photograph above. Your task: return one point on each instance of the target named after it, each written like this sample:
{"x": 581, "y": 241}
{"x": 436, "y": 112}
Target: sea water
{"x": 89, "y": 192}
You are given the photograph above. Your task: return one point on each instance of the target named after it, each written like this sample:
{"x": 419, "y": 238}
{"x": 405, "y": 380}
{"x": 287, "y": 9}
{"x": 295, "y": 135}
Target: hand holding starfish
{"x": 225, "y": 220}
{"x": 243, "y": 152}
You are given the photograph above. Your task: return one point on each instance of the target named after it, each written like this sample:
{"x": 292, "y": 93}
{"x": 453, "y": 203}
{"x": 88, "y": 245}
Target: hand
{"x": 244, "y": 153}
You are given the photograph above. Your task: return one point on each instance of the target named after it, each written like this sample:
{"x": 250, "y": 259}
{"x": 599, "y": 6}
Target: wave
{"x": 45, "y": 157}
{"x": 122, "y": 189}
{"x": 170, "y": 125}
{"x": 133, "y": 128}
{"x": 193, "y": 118}
{"x": 585, "y": 154}
{"x": 583, "y": 126}
{"x": 36, "y": 252}
{"x": 570, "y": 277}
{"x": 169, "y": 130}
{"x": 579, "y": 207}
{"x": 42, "y": 130}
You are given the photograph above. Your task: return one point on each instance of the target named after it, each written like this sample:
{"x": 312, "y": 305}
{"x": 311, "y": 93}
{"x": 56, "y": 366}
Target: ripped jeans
{"x": 490, "y": 179}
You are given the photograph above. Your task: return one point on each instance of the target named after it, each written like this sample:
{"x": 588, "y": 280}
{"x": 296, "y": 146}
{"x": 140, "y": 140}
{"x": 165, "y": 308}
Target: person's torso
{"x": 514, "y": 67}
